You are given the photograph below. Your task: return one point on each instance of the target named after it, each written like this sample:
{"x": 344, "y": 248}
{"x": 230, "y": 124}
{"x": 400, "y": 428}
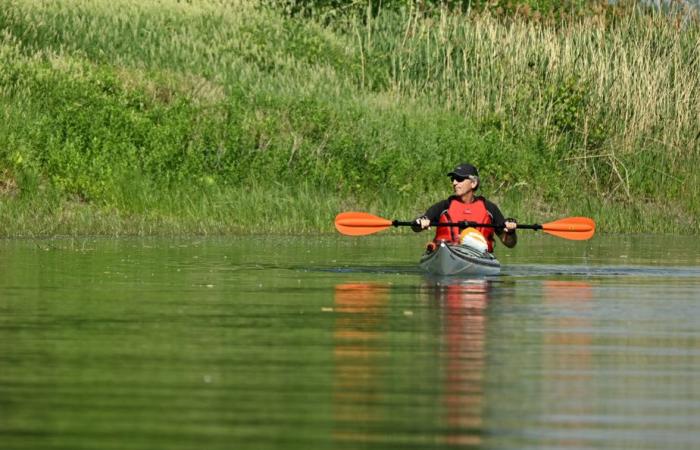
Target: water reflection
{"x": 567, "y": 359}
{"x": 462, "y": 308}
{"x": 452, "y": 389}
{"x": 568, "y": 329}
{"x": 114, "y": 344}
{"x": 360, "y": 309}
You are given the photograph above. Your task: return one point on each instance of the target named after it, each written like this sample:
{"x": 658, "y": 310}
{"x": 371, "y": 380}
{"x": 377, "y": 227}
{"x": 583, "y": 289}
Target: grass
{"x": 213, "y": 117}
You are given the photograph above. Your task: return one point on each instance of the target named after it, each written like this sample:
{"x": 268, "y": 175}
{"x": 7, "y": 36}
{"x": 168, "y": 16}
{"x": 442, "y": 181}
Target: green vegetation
{"x": 205, "y": 116}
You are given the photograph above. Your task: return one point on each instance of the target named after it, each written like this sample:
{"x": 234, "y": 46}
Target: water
{"x": 261, "y": 343}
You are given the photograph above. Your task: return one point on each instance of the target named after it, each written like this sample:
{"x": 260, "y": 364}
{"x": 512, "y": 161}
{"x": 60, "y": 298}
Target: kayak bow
{"x": 451, "y": 259}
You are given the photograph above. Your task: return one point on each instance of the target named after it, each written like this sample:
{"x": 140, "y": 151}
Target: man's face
{"x": 462, "y": 185}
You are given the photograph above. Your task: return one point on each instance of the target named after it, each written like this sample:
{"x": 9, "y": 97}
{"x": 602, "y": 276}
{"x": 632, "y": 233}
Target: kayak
{"x": 452, "y": 259}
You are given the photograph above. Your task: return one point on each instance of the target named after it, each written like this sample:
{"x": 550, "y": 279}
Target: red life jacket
{"x": 459, "y": 211}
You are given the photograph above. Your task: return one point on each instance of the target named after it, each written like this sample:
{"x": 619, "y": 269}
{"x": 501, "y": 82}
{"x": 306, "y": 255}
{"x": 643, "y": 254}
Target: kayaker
{"x": 466, "y": 205}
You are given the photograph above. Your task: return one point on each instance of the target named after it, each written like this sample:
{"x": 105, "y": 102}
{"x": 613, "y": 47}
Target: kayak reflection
{"x": 461, "y": 306}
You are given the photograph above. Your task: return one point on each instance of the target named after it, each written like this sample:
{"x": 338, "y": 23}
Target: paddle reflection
{"x": 462, "y": 308}
{"x": 573, "y": 299}
{"x": 357, "y": 393}
{"x": 567, "y": 359}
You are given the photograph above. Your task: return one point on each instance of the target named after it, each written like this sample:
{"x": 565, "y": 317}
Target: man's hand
{"x": 421, "y": 223}
{"x": 510, "y": 225}
{"x": 424, "y": 222}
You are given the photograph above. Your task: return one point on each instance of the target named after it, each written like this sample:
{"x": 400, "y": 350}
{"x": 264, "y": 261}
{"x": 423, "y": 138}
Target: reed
{"x": 610, "y": 94}
{"x": 167, "y": 117}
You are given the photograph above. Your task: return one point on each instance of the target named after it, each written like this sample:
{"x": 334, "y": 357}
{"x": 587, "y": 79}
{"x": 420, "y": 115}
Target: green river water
{"x": 341, "y": 343}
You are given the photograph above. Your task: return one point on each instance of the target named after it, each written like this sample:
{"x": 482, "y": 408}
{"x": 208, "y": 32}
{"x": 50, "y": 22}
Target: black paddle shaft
{"x": 465, "y": 224}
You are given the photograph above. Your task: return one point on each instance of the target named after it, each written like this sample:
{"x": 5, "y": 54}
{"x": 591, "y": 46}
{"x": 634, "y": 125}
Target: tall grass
{"x": 168, "y": 117}
{"x": 623, "y": 102}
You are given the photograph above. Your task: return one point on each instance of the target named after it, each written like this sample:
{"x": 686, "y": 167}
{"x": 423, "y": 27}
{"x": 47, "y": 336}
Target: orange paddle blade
{"x": 359, "y": 223}
{"x": 574, "y": 228}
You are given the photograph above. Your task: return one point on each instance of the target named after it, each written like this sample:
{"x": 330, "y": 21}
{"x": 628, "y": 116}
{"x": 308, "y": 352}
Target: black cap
{"x": 464, "y": 170}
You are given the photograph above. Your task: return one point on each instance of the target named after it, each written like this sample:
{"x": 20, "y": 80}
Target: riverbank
{"x": 123, "y": 118}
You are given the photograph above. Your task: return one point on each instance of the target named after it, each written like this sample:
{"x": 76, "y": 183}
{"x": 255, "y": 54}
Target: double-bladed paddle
{"x": 360, "y": 224}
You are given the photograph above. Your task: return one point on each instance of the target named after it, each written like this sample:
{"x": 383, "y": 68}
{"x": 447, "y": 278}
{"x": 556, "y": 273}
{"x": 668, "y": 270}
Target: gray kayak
{"x": 451, "y": 259}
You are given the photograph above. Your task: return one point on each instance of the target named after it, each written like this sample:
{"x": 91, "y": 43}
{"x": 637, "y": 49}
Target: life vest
{"x": 459, "y": 211}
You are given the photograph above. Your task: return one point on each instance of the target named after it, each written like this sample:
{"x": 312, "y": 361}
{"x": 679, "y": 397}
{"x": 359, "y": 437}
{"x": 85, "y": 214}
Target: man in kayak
{"x": 465, "y": 205}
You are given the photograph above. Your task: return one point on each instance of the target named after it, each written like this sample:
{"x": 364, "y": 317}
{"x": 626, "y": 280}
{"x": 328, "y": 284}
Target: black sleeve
{"x": 433, "y": 213}
{"x": 495, "y": 213}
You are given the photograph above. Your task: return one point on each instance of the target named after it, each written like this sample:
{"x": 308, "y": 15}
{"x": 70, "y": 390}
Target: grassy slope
{"x": 217, "y": 117}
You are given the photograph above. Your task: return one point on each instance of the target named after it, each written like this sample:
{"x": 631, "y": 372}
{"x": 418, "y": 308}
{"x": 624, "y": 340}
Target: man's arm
{"x": 506, "y": 234}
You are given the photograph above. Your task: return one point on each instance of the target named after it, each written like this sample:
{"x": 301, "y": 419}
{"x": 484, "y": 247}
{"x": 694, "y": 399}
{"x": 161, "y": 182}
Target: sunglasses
{"x": 458, "y": 179}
